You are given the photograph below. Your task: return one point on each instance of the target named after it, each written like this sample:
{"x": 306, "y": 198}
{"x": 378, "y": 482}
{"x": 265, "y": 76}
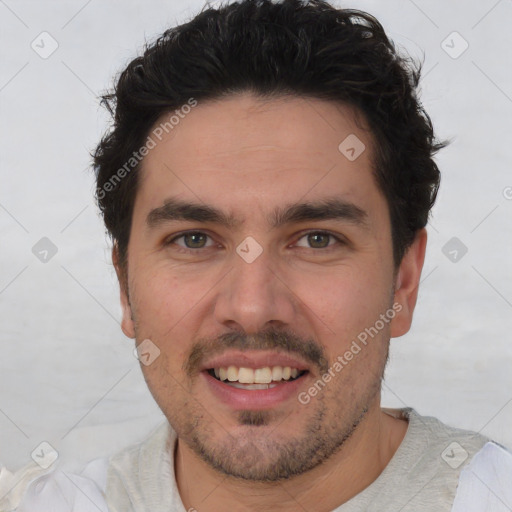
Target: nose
{"x": 254, "y": 296}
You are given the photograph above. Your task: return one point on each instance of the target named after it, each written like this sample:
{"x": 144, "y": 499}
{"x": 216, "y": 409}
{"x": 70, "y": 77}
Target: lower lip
{"x": 255, "y": 398}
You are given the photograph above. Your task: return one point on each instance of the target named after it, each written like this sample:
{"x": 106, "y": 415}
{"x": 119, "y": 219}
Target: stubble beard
{"x": 255, "y": 454}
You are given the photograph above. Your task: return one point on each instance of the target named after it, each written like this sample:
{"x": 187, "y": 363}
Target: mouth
{"x": 256, "y": 378}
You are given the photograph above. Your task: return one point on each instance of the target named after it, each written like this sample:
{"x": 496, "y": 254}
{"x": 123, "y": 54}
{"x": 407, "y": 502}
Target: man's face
{"x": 266, "y": 291}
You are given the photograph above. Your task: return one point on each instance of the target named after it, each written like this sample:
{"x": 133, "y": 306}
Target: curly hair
{"x": 292, "y": 47}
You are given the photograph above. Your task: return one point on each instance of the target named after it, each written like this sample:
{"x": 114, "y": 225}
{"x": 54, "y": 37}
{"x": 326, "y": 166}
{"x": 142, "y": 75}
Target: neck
{"x": 345, "y": 474}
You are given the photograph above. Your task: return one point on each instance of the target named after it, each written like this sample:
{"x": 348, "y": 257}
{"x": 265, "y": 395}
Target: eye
{"x": 194, "y": 241}
{"x": 319, "y": 239}
{"x": 191, "y": 240}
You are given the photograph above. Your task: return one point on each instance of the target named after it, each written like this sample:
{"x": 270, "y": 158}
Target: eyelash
{"x": 312, "y": 232}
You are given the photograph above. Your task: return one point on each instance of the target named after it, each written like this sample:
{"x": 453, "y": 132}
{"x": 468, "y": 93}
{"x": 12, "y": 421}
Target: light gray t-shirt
{"x": 436, "y": 468}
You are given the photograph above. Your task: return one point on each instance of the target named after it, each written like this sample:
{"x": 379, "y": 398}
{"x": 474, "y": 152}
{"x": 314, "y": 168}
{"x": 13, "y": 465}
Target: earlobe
{"x": 407, "y": 282}
{"x": 127, "y": 323}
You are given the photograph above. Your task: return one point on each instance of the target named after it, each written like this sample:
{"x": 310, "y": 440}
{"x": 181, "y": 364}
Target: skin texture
{"x": 247, "y": 157}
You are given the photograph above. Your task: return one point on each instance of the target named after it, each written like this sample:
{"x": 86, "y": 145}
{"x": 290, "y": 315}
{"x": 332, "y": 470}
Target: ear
{"x": 407, "y": 282}
{"x": 127, "y": 323}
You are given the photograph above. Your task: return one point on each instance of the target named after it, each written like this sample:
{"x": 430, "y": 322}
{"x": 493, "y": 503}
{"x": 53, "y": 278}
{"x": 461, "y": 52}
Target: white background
{"x": 67, "y": 373}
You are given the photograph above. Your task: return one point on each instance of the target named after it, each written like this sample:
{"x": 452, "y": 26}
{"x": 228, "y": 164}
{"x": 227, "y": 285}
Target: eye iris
{"x": 197, "y": 240}
{"x": 315, "y": 237}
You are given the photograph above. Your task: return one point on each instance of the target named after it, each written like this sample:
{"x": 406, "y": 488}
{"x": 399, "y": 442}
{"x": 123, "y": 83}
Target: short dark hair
{"x": 290, "y": 48}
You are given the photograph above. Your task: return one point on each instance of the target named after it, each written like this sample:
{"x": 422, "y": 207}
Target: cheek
{"x": 163, "y": 305}
{"x": 166, "y": 384}
{"x": 344, "y": 300}
{"x": 164, "y": 297}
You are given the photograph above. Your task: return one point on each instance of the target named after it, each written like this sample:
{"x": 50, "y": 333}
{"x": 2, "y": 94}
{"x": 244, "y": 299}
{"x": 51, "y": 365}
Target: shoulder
{"x": 424, "y": 472}
{"x": 102, "y": 480}
{"x": 142, "y": 476}
{"x": 449, "y": 446}
{"x": 455, "y": 469}
{"x": 134, "y": 455}
{"x": 57, "y": 490}
{"x": 486, "y": 482}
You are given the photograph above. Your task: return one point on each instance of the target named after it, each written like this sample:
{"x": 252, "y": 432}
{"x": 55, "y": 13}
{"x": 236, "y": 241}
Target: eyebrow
{"x": 335, "y": 208}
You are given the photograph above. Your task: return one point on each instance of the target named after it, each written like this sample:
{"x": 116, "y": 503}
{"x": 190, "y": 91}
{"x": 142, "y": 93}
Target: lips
{"x": 254, "y": 380}
{"x": 250, "y": 396}
{"x": 254, "y": 360}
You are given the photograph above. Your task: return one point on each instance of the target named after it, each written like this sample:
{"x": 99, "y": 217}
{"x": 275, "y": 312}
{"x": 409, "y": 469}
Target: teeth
{"x": 261, "y": 376}
{"x": 245, "y": 376}
{"x": 277, "y": 373}
{"x": 232, "y": 373}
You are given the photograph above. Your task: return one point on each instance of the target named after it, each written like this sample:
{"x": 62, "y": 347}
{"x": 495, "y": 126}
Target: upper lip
{"x": 254, "y": 359}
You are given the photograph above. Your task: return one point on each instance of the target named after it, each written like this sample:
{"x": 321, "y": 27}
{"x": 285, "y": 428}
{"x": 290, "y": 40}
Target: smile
{"x": 258, "y": 378}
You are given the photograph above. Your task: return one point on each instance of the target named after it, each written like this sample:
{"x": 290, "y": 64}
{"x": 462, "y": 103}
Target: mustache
{"x": 269, "y": 339}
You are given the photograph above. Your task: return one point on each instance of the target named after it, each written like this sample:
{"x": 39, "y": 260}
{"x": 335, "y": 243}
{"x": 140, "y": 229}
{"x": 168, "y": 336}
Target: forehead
{"x": 241, "y": 152}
